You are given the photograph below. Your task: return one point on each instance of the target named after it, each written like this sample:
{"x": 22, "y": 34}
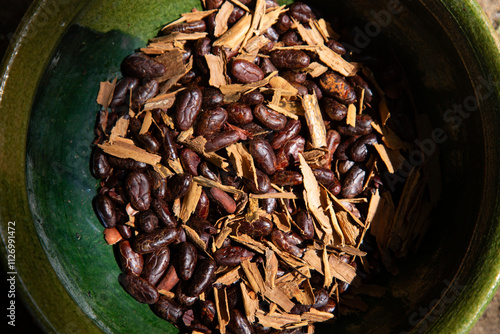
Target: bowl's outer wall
{"x": 58, "y": 173}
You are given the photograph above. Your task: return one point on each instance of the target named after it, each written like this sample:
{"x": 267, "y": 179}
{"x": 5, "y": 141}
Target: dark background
{"x": 11, "y": 13}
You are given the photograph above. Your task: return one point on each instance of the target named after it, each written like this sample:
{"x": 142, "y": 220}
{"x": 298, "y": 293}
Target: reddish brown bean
{"x": 155, "y": 266}
{"x": 269, "y": 118}
{"x": 141, "y": 66}
{"x": 213, "y": 4}
{"x": 345, "y": 166}
{"x": 126, "y": 164}
{"x": 190, "y": 161}
{"x": 312, "y": 88}
{"x": 320, "y": 298}
{"x": 336, "y": 47}
{"x": 301, "y": 12}
{"x": 105, "y": 210}
{"x": 209, "y": 172}
{"x": 139, "y": 190}
{"x": 139, "y": 288}
{"x": 182, "y": 297}
{"x": 253, "y": 98}
{"x": 203, "y": 206}
{"x": 208, "y": 312}
{"x": 186, "y": 27}
{"x": 158, "y": 184}
{"x": 188, "y": 107}
{"x": 236, "y": 14}
{"x": 353, "y": 182}
{"x": 290, "y": 151}
{"x": 131, "y": 262}
{"x": 335, "y": 188}
{"x": 239, "y": 323}
{"x": 263, "y": 154}
{"x": 187, "y": 258}
{"x": 156, "y": 240}
{"x": 291, "y": 129}
{"x": 294, "y": 77}
{"x": 143, "y": 93}
{"x": 332, "y": 142}
{"x": 341, "y": 152}
{"x": 290, "y": 59}
{"x": 224, "y": 139}
{"x": 284, "y": 178}
{"x": 147, "y": 221}
{"x": 232, "y": 256}
{"x": 267, "y": 66}
{"x": 122, "y": 91}
{"x": 336, "y": 111}
{"x": 291, "y": 38}
{"x": 245, "y": 71}
{"x": 212, "y": 98}
{"x": 211, "y": 121}
{"x": 167, "y": 309}
{"x": 125, "y": 231}
{"x": 286, "y": 243}
{"x": 334, "y": 85}
{"x": 283, "y": 24}
{"x": 239, "y": 113}
{"x": 357, "y": 81}
{"x": 363, "y": 126}
{"x": 160, "y": 207}
{"x": 269, "y": 204}
{"x": 201, "y": 48}
{"x": 168, "y": 143}
{"x": 223, "y": 200}
{"x": 170, "y": 279}
{"x": 202, "y": 277}
{"x": 359, "y": 150}
{"x": 306, "y": 224}
{"x": 261, "y": 227}
{"x": 330, "y": 306}
{"x": 323, "y": 175}
{"x": 178, "y": 186}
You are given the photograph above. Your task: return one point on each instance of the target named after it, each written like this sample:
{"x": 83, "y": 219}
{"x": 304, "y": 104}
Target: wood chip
{"x": 281, "y": 110}
{"x": 316, "y": 316}
{"x": 242, "y": 161}
{"x": 112, "y": 236}
{"x": 391, "y": 159}
{"x": 190, "y": 201}
{"x": 326, "y": 268}
{"x": 222, "y": 17}
{"x": 314, "y": 120}
{"x": 125, "y": 148}
{"x": 256, "y": 43}
{"x": 336, "y": 62}
{"x": 311, "y": 197}
{"x": 203, "y": 181}
{"x": 179, "y": 36}
{"x": 279, "y": 297}
{"x": 253, "y": 276}
{"x": 286, "y": 87}
{"x": 270, "y": 18}
{"x": 250, "y": 243}
{"x": 276, "y": 320}
{"x": 174, "y": 66}
{"x": 241, "y": 5}
{"x": 385, "y": 114}
{"x": 233, "y": 38}
{"x": 146, "y": 123}
{"x": 197, "y": 15}
{"x": 250, "y": 302}
{"x": 271, "y": 268}
{"x": 217, "y": 67}
{"x": 222, "y": 308}
{"x": 105, "y": 94}
{"x": 284, "y": 195}
{"x": 311, "y": 36}
{"x": 198, "y": 145}
{"x": 351, "y": 232}
{"x": 194, "y": 237}
{"x": 120, "y": 129}
{"x": 230, "y": 277}
{"x": 163, "y": 101}
{"x": 341, "y": 270}
{"x": 351, "y": 115}
{"x": 316, "y": 69}
{"x": 257, "y": 15}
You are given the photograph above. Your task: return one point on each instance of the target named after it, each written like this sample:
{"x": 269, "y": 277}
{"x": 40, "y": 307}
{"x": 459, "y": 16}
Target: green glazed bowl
{"x": 67, "y": 274}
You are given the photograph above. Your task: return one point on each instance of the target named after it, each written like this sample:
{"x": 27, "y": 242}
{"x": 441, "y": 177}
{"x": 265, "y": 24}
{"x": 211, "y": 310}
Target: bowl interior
{"x": 60, "y": 187}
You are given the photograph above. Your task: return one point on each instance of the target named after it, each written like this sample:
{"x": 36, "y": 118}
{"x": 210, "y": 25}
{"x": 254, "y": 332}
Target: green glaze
{"x": 67, "y": 273}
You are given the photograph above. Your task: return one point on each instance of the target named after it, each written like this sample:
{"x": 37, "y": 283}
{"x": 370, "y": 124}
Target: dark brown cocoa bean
{"x": 283, "y": 24}
{"x": 363, "y": 126}
{"x": 212, "y": 98}
{"x": 323, "y": 175}
{"x": 284, "y": 178}
{"x": 357, "y": 81}
{"x": 190, "y": 161}
{"x": 284, "y": 242}
{"x": 320, "y": 298}
{"x": 291, "y": 38}
{"x": 160, "y": 207}
{"x": 239, "y": 324}
{"x": 156, "y": 240}
{"x": 99, "y": 164}
{"x": 336, "y": 111}
{"x": 209, "y": 172}
{"x": 188, "y": 77}
{"x": 330, "y": 306}
{"x": 334, "y": 85}
{"x": 336, "y": 47}
{"x": 267, "y": 66}
{"x": 332, "y": 143}
{"x": 130, "y": 261}
{"x": 208, "y": 312}
{"x": 232, "y": 256}
{"x": 306, "y": 224}
{"x": 253, "y": 98}
{"x": 203, "y": 277}
{"x": 359, "y": 150}
{"x": 345, "y": 166}
{"x": 141, "y": 66}
{"x": 245, "y": 71}
{"x": 167, "y": 309}
{"x": 335, "y": 188}
{"x": 203, "y": 206}
{"x": 261, "y": 227}
{"x": 158, "y": 184}
{"x": 143, "y": 93}
{"x": 201, "y": 225}
{"x": 269, "y": 204}
{"x": 186, "y": 28}
{"x": 341, "y": 152}
{"x": 155, "y": 266}
{"x": 139, "y": 288}
{"x": 223, "y": 200}
{"x": 301, "y": 12}
{"x": 148, "y": 142}
{"x": 125, "y": 231}
{"x": 122, "y": 91}
{"x": 239, "y": 113}
{"x": 178, "y": 186}
{"x": 236, "y": 14}
{"x": 353, "y": 182}
{"x": 168, "y": 143}
{"x": 263, "y": 183}
{"x": 312, "y": 89}
{"x": 289, "y": 152}
{"x": 187, "y": 258}
{"x": 202, "y": 47}
{"x": 294, "y": 77}
{"x": 188, "y": 107}
{"x": 269, "y": 118}
{"x": 213, "y": 4}
{"x": 147, "y": 221}
{"x": 223, "y": 140}
{"x": 139, "y": 190}
{"x": 290, "y": 59}
{"x": 182, "y": 296}
{"x": 126, "y": 164}
{"x": 263, "y": 154}
{"x": 291, "y": 129}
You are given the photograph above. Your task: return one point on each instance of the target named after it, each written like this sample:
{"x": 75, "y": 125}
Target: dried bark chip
{"x": 222, "y": 308}
{"x": 242, "y": 161}
{"x": 282, "y": 111}
{"x": 222, "y": 17}
{"x": 197, "y": 15}
{"x": 250, "y": 303}
{"x": 253, "y": 276}
{"x": 271, "y": 268}
{"x": 106, "y": 93}
{"x": 174, "y": 66}
{"x": 286, "y": 87}
{"x": 256, "y": 43}
{"x": 217, "y": 67}
{"x": 112, "y": 236}
{"x": 125, "y": 148}
{"x": 336, "y": 62}
{"x": 316, "y": 316}
{"x": 203, "y": 181}
{"x": 341, "y": 270}
{"x": 230, "y": 277}
{"x": 259, "y": 12}
{"x": 249, "y": 242}
{"x": 276, "y": 320}
{"x": 315, "y": 69}
{"x": 351, "y": 115}
{"x": 120, "y": 129}
{"x": 190, "y": 201}
{"x": 233, "y": 38}
{"x": 314, "y": 120}
{"x": 194, "y": 237}
{"x": 162, "y": 101}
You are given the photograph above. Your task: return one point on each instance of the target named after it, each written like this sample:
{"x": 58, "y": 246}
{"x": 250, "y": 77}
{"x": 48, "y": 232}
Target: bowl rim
{"x": 474, "y": 29}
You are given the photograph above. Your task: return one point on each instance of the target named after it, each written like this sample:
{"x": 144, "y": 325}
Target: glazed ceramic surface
{"x": 68, "y": 274}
